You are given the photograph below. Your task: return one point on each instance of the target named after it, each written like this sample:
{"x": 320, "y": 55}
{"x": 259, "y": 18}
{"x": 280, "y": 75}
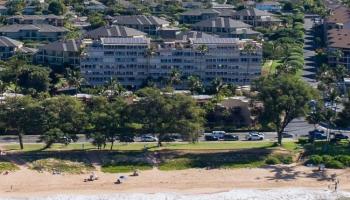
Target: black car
{"x": 229, "y": 137}
{"x": 126, "y": 138}
{"x": 287, "y": 135}
{"x": 168, "y": 138}
{"x": 317, "y": 135}
{"x": 210, "y": 138}
{"x": 340, "y": 136}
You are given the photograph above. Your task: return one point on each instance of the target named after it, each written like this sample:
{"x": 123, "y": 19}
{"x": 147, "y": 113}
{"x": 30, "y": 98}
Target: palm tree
{"x": 249, "y": 49}
{"x": 114, "y": 88}
{"x": 202, "y": 49}
{"x": 149, "y": 53}
{"x": 74, "y": 78}
{"x": 195, "y": 84}
{"x": 174, "y": 78}
{"x": 217, "y": 85}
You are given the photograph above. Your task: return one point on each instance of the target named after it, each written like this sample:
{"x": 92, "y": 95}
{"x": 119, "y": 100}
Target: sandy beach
{"x": 25, "y": 182}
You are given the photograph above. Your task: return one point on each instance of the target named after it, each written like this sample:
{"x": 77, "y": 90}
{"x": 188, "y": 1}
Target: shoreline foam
{"x": 240, "y": 194}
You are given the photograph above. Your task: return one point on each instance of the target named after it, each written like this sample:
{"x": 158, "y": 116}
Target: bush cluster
{"x": 279, "y": 159}
{"x": 335, "y": 162}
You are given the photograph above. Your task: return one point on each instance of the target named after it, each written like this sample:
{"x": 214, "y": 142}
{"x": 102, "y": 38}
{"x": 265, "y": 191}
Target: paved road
{"x": 82, "y": 138}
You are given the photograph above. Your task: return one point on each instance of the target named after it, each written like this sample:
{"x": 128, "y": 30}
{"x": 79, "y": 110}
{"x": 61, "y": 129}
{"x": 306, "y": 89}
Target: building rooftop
{"x": 222, "y": 12}
{"x": 35, "y": 17}
{"x": 253, "y": 12}
{"x": 128, "y": 41}
{"x": 339, "y": 15}
{"x": 214, "y": 40}
{"x": 8, "y": 42}
{"x": 269, "y": 3}
{"x": 198, "y": 12}
{"x": 114, "y": 31}
{"x": 339, "y": 38}
{"x": 139, "y": 20}
{"x": 184, "y": 36}
{"x": 63, "y": 45}
{"x": 38, "y": 27}
{"x": 221, "y": 22}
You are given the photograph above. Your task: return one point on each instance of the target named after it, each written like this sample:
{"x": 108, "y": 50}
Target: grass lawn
{"x": 269, "y": 67}
{"x": 137, "y": 146}
{"x": 292, "y": 146}
{"x": 171, "y": 156}
{"x": 219, "y": 145}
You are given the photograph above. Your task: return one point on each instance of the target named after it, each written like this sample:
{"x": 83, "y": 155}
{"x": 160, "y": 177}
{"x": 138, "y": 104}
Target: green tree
{"x": 163, "y": 114}
{"x": 34, "y": 78}
{"x": 107, "y": 120}
{"x": 96, "y": 20}
{"x": 57, "y": 7}
{"x": 15, "y": 6}
{"x": 64, "y": 117}
{"x": 22, "y": 115}
{"x": 284, "y": 98}
{"x": 343, "y": 119}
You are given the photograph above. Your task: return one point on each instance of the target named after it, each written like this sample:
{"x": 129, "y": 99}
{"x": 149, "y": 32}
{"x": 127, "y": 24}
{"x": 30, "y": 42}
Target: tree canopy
{"x": 284, "y": 98}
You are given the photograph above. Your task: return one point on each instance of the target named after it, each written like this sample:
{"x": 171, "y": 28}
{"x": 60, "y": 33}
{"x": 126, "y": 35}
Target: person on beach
{"x": 336, "y": 184}
{"x": 118, "y": 181}
{"x": 135, "y": 173}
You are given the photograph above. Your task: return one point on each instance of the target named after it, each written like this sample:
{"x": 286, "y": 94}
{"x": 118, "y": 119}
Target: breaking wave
{"x": 244, "y": 194}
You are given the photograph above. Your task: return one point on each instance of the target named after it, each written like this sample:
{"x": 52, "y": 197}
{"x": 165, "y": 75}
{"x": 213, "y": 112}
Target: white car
{"x": 255, "y": 136}
{"x": 149, "y": 138}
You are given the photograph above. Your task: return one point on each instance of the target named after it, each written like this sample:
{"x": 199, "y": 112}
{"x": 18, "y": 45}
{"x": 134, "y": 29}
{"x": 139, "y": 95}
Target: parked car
{"x": 211, "y": 138}
{"x": 287, "y": 135}
{"x": 317, "y": 135}
{"x": 126, "y": 138}
{"x": 149, "y": 138}
{"x": 253, "y": 136}
{"x": 168, "y": 138}
{"x": 340, "y": 136}
{"x": 230, "y": 137}
{"x": 219, "y": 134}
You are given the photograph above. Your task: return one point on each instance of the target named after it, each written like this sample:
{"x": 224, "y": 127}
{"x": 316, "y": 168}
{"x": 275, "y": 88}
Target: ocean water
{"x": 276, "y": 194}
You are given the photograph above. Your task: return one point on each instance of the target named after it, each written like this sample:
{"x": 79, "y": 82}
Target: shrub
{"x": 272, "y": 161}
{"x": 315, "y": 160}
{"x": 344, "y": 159}
{"x": 303, "y": 141}
{"x": 124, "y": 167}
{"x": 327, "y": 158}
{"x": 285, "y": 159}
{"x": 334, "y": 164}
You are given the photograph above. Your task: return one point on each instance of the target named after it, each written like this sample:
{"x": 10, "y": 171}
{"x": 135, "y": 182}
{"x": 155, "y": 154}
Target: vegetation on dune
{"x": 122, "y": 167}
{"x": 62, "y": 166}
{"x": 331, "y": 155}
{"x": 7, "y": 166}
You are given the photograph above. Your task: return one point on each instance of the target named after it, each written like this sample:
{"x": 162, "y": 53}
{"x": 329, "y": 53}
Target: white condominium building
{"x": 134, "y": 60}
